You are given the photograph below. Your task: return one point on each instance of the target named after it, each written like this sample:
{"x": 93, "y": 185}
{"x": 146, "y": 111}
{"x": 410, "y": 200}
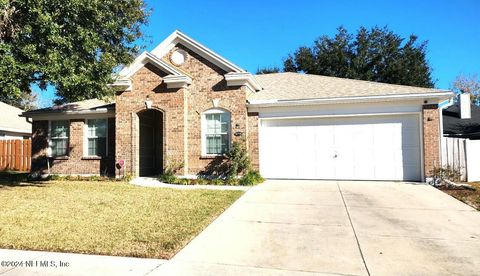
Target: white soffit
{"x": 178, "y": 37}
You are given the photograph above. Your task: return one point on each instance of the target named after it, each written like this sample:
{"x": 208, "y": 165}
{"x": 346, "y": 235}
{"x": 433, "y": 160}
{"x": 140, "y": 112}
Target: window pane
{"x": 97, "y": 146}
{"x": 59, "y": 147}
{"x": 224, "y": 148}
{"x": 213, "y": 144}
{"x": 217, "y": 144}
{"x": 97, "y": 128}
{"x": 59, "y": 129}
{"x": 101, "y": 128}
{"x": 92, "y": 146}
{"x": 224, "y": 127}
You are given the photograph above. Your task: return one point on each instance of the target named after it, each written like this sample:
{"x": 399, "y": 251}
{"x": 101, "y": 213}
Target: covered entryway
{"x": 150, "y": 142}
{"x": 345, "y": 148}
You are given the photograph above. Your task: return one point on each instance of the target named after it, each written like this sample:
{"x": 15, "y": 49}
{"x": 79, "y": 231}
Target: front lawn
{"x": 469, "y": 197}
{"x": 111, "y": 218}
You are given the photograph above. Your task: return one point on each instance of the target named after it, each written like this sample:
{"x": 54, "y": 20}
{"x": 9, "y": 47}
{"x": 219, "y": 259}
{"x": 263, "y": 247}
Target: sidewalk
{"x": 51, "y": 263}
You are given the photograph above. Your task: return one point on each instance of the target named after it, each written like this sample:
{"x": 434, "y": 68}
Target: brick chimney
{"x": 465, "y": 106}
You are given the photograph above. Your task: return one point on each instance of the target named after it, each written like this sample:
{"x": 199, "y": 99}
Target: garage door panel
{"x": 367, "y": 148}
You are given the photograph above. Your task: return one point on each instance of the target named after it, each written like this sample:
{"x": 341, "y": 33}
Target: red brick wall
{"x": 431, "y": 138}
{"x": 208, "y": 84}
{"x": 148, "y": 82}
{"x": 74, "y": 163}
{"x": 253, "y": 139}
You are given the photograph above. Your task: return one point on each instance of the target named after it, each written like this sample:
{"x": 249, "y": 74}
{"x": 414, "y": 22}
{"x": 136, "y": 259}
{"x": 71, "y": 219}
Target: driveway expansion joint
{"x": 353, "y": 228}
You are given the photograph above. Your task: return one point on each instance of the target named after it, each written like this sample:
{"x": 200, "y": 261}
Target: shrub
{"x": 95, "y": 178}
{"x": 217, "y": 181}
{"x": 167, "y": 178}
{"x": 201, "y": 181}
{"x": 127, "y": 178}
{"x": 446, "y": 172}
{"x": 251, "y": 178}
{"x": 173, "y": 167}
{"x": 55, "y": 177}
{"x": 232, "y": 181}
{"x": 237, "y": 160}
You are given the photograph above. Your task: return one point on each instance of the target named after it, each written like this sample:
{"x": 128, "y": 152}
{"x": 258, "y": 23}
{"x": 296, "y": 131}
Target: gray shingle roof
{"x": 10, "y": 119}
{"x": 296, "y": 86}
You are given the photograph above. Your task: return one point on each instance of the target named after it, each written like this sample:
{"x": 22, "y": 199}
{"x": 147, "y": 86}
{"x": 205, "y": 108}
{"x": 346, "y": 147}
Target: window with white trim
{"x": 216, "y": 132}
{"x": 59, "y": 133}
{"x": 96, "y": 136}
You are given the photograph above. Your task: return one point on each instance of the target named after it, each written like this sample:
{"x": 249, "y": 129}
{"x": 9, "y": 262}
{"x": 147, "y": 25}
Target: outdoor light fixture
{"x": 148, "y": 103}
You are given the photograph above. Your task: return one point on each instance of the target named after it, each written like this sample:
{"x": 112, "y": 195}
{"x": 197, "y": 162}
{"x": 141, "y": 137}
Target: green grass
{"x": 110, "y": 218}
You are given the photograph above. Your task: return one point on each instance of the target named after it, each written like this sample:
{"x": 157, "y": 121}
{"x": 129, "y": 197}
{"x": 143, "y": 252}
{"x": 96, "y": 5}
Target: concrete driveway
{"x": 328, "y": 227}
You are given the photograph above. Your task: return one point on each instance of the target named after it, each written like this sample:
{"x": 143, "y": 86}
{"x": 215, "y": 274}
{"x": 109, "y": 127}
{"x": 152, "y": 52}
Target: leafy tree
{"x": 468, "y": 84}
{"x": 268, "y": 70}
{"x": 72, "y": 45}
{"x": 377, "y": 54}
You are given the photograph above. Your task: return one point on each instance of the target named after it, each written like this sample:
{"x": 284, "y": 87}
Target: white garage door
{"x": 347, "y": 148}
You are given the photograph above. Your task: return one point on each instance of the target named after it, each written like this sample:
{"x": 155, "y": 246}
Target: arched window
{"x": 215, "y": 132}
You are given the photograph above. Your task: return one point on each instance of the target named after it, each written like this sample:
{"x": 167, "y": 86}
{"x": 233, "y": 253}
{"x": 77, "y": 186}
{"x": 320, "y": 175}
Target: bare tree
{"x": 468, "y": 84}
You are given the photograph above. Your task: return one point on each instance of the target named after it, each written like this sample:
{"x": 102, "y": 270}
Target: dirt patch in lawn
{"x": 469, "y": 197}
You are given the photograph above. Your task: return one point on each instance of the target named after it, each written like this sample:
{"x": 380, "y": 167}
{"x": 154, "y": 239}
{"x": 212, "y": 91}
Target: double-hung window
{"x": 216, "y": 132}
{"x": 59, "y": 133}
{"x": 96, "y": 138}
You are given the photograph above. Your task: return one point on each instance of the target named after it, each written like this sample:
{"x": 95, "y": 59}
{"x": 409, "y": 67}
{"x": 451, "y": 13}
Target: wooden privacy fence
{"x": 15, "y": 155}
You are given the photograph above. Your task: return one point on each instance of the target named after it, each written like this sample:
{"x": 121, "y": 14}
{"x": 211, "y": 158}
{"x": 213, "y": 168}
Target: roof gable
{"x": 178, "y": 37}
{"x": 145, "y": 58}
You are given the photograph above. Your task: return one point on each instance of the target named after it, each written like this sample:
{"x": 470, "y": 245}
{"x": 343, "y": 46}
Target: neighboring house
{"x": 462, "y": 121}
{"x": 12, "y": 126}
{"x": 461, "y": 138}
{"x": 184, "y": 104}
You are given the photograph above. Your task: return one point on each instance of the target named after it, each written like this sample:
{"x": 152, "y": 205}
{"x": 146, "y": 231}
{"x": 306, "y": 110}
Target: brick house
{"x": 184, "y": 104}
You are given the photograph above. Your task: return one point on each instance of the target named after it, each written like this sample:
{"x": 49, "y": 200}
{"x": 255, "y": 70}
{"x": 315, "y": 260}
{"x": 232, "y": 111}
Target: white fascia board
{"x": 8, "y": 129}
{"x": 436, "y": 96}
{"x": 242, "y": 78}
{"x": 178, "y": 37}
{"x": 177, "y": 81}
{"x": 71, "y": 114}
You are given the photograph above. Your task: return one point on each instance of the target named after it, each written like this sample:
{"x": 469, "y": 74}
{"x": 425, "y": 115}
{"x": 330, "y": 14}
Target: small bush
{"x": 127, "y": 178}
{"x": 95, "y": 178}
{"x": 217, "y": 181}
{"x": 201, "y": 181}
{"x": 55, "y": 177}
{"x": 232, "y": 181}
{"x": 251, "y": 178}
{"x": 446, "y": 172}
{"x": 173, "y": 167}
{"x": 167, "y": 178}
{"x": 237, "y": 160}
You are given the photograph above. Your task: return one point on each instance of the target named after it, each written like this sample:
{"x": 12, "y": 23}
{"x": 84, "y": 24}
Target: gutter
{"x": 15, "y": 130}
{"x": 294, "y": 102}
